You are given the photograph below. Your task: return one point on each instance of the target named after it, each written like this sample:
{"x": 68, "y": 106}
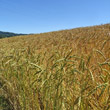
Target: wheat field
{"x": 64, "y": 70}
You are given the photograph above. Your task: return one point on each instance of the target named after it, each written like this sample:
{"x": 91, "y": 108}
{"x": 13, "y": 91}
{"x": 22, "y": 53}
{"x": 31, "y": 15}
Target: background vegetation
{"x": 65, "y": 70}
{"x": 8, "y": 34}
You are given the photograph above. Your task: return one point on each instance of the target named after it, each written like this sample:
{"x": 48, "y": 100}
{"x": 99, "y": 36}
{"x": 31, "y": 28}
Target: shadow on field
{"x": 4, "y": 104}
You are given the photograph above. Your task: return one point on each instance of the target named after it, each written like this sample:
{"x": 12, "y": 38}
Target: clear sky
{"x": 36, "y": 16}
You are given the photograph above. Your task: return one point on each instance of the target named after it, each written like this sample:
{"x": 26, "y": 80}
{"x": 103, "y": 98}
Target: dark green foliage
{"x": 8, "y": 34}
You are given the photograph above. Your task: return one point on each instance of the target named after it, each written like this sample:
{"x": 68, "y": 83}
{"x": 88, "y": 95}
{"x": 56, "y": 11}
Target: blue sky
{"x": 37, "y": 16}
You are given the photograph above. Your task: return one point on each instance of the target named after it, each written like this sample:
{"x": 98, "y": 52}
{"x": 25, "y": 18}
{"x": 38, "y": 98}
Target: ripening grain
{"x": 65, "y": 70}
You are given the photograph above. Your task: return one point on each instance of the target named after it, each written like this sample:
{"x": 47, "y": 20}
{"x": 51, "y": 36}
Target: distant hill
{"x": 8, "y": 34}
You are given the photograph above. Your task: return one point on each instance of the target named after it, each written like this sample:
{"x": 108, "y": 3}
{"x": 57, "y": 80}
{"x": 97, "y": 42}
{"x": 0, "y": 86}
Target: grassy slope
{"x": 62, "y": 70}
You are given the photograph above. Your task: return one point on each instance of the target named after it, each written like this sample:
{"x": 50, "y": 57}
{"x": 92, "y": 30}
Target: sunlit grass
{"x": 65, "y": 70}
